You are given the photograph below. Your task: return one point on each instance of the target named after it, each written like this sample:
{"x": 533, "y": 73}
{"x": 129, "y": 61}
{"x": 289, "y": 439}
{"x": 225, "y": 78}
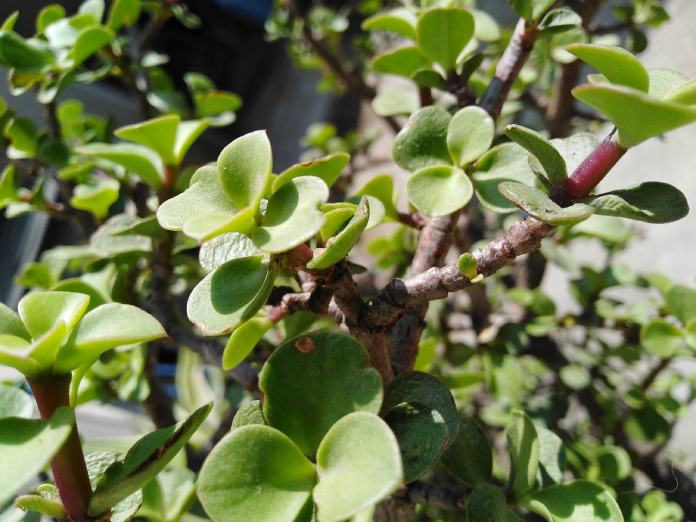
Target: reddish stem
{"x": 68, "y": 465}
{"x": 593, "y": 168}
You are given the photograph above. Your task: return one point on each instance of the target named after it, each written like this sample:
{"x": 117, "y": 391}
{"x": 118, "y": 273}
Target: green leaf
{"x": 230, "y": 295}
{"x": 470, "y": 457}
{"x": 523, "y": 8}
{"x": 469, "y": 135}
{"x": 552, "y": 458}
{"x": 653, "y": 202}
{"x": 442, "y": 34}
{"x": 225, "y": 248}
{"x": 123, "y": 13}
{"x": 429, "y": 78}
{"x": 144, "y": 460}
{"x": 11, "y": 324}
{"x": 15, "y": 352}
{"x": 661, "y": 338}
{"x": 8, "y": 188}
{"x": 575, "y": 376}
{"x": 359, "y": 464}
{"x": 422, "y": 436}
{"x": 49, "y": 14}
{"x": 96, "y": 196}
{"x": 551, "y": 160}
{"x": 504, "y": 162}
{"x": 637, "y": 116}
{"x": 205, "y": 197}
{"x": 88, "y": 42}
{"x": 24, "y": 55}
{"x": 245, "y": 167}
{"x": 243, "y": 340}
{"x": 539, "y": 205}
{"x": 48, "y": 506}
{"x": 208, "y": 226}
{"x": 401, "y": 62}
{"x": 487, "y": 503}
{"x": 395, "y": 103}
{"x": 382, "y": 188}
{"x": 158, "y": 134}
{"x": 134, "y": 158}
{"x": 328, "y": 168}
{"x": 439, "y": 190}
{"x": 27, "y": 446}
{"x": 486, "y": 29}
{"x": 559, "y": 20}
{"x": 523, "y": 446}
{"x": 614, "y": 463}
{"x": 616, "y": 64}
{"x": 97, "y": 463}
{"x": 255, "y": 473}
{"x": 106, "y": 327}
{"x": 292, "y": 215}
{"x": 186, "y": 134}
{"x": 108, "y": 240}
{"x": 401, "y": 21}
{"x": 684, "y": 94}
{"x": 665, "y": 81}
{"x": 14, "y": 402}
{"x": 422, "y": 142}
{"x": 311, "y": 381}
{"x": 247, "y": 414}
{"x": 577, "y": 500}
{"x": 41, "y": 311}
{"x": 680, "y": 301}
{"x": 92, "y": 8}
{"x": 338, "y": 246}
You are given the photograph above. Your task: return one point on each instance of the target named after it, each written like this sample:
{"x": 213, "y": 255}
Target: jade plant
{"x": 343, "y": 353}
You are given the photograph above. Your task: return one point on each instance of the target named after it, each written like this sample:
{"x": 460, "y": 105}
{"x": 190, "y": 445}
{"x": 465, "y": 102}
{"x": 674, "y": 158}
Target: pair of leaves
{"x": 226, "y": 197}
{"x": 257, "y": 472}
{"x": 54, "y": 333}
{"x": 428, "y": 145}
{"x": 638, "y": 101}
{"x": 320, "y": 398}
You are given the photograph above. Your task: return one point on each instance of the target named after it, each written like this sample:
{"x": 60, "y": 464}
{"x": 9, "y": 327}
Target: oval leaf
{"x": 423, "y": 140}
{"x": 292, "y": 215}
{"x": 255, "y": 473}
{"x": 338, "y": 247}
{"x": 359, "y": 464}
{"x": 312, "y": 381}
{"x": 550, "y": 159}
{"x": 440, "y": 190}
{"x": 616, "y": 64}
{"x": 469, "y": 135}
{"x": 577, "y": 500}
{"x": 229, "y": 295}
{"x": 443, "y": 33}
{"x": 245, "y": 167}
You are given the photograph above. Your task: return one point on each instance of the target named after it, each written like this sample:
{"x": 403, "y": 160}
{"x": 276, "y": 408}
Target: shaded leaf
{"x": 328, "y": 168}
{"x": 230, "y": 294}
{"x": 551, "y": 160}
{"x": 312, "y": 381}
{"x": 404, "y": 61}
{"x": 523, "y": 446}
{"x": 338, "y": 246}
{"x": 470, "y": 457}
{"x": 292, "y": 215}
{"x": 243, "y": 340}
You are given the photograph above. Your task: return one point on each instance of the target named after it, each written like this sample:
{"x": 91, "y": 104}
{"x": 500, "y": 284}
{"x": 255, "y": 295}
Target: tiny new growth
{"x": 341, "y": 352}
